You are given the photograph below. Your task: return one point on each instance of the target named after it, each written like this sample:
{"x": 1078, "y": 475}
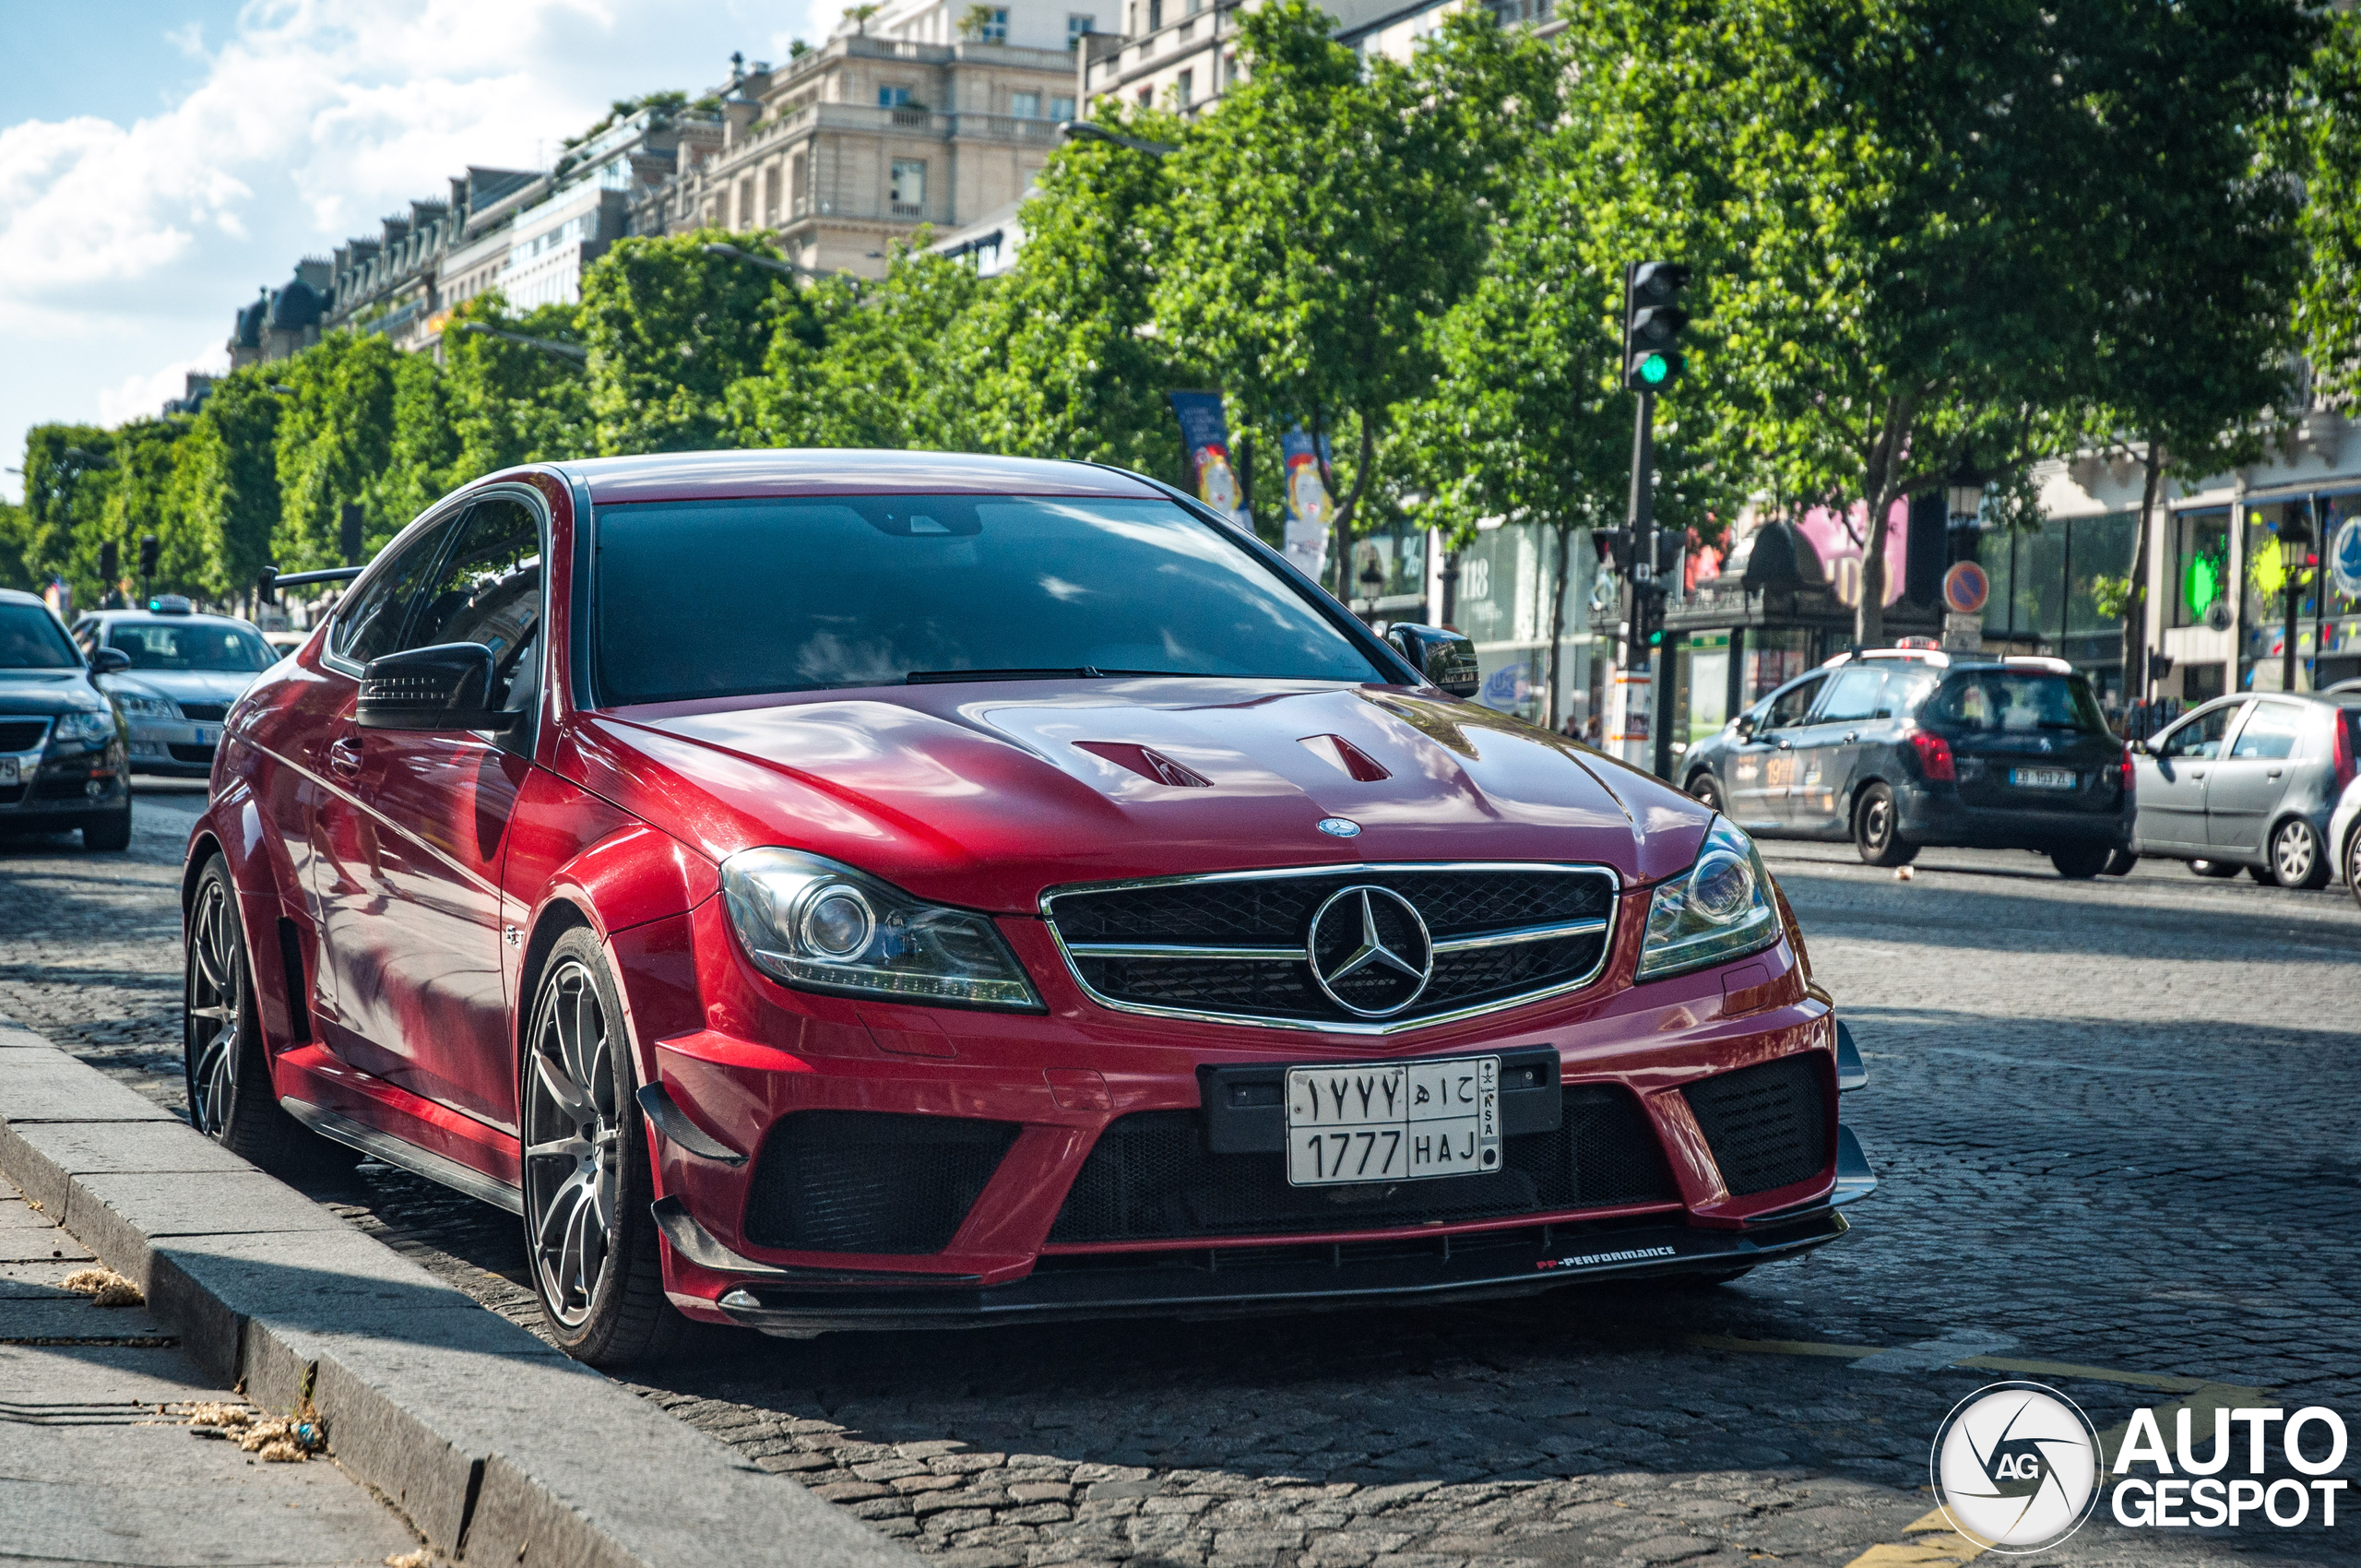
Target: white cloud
{"x": 143, "y": 396}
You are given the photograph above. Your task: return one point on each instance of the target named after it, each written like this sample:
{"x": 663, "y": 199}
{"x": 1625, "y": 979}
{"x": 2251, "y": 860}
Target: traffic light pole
{"x": 1638, "y": 723}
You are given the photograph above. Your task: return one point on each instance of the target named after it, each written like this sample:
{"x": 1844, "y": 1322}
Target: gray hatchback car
{"x": 2249, "y": 781}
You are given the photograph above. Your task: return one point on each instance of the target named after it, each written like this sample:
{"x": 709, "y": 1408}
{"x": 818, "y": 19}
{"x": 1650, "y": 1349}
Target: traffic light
{"x": 349, "y": 532}
{"x": 1651, "y": 324}
{"x": 150, "y": 549}
{"x": 110, "y": 563}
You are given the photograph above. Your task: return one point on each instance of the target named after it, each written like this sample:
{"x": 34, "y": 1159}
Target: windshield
{"x": 1998, "y": 701}
{"x": 30, "y": 639}
{"x": 191, "y": 645}
{"x": 716, "y": 598}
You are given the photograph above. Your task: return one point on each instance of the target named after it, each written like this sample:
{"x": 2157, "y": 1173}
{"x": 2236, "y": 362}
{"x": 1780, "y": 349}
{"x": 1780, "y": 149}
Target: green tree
{"x": 2326, "y": 155}
{"x": 511, "y": 402}
{"x": 670, "y": 329}
{"x": 225, "y": 481}
{"x": 335, "y": 443}
{"x": 147, "y": 452}
{"x": 15, "y": 539}
{"x": 69, "y": 474}
{"x": 1324, "y": 219}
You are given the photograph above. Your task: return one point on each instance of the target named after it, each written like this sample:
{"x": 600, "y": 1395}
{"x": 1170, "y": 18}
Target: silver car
{"x": 186, "y": 668}
{"x": 2250, "y": 780}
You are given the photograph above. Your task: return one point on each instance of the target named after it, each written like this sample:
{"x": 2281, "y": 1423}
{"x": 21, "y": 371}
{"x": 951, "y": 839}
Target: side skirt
{"x": 409, "y": 1156}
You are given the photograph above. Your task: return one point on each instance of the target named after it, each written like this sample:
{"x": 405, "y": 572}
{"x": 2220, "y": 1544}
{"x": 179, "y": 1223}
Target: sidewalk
{"x": 98, "y": 1464}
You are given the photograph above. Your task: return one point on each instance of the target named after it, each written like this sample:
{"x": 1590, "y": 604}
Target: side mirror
{"x": 445, "y": 688}
{"x": 109, "y": 661}
{"x": 1446, "y": 658}
{"x": 1744, "y": 725}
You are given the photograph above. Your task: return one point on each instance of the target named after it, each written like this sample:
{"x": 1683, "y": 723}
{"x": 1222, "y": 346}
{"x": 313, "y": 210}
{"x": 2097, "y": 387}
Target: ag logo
{"x": 2016, "y": 1466}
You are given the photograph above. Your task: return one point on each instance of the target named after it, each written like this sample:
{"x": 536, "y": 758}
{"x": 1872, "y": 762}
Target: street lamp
{"x": 574, "y": 351}
{"x": 1964, "y": 492}
{"x": 1084, "y": 130}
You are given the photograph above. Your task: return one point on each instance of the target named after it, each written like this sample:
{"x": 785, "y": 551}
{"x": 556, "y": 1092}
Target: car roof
{"x": 177, "y": 618}
{"x": 710, "y": 476}
{"x": 17, "y": 596}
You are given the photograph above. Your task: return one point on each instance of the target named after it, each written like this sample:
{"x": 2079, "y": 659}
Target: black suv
{"x": 1901, "y": 748}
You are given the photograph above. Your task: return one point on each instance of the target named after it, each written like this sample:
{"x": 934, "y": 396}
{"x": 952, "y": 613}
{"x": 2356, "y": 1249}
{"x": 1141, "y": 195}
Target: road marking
{"x": 1946, "y": 1544}
{"x": 1927, "y": 1355}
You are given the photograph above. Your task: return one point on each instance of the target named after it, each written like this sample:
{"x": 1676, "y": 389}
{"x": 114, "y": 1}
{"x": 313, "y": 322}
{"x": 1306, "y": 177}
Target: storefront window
{"x": 2102, "y": 548}
{"x": 1506, "y": 578}
{"x": 2339, "y": 650}
{"x": 2201, "y": 564}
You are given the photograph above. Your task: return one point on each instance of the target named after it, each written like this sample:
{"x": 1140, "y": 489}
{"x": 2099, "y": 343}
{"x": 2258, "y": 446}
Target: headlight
{"x": 823, "y": 926}
{"x": 95, "y": 727}
{"x": 1721, "y": 910}
{"x": 135, "y": 705}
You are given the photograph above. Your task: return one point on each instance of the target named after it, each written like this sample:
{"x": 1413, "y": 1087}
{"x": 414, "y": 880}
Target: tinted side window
{"x": 369, "y": 623}
{"x": 488, "y": 592}
{"x": 2199, "y": 738}
{"x": 1852, "y": 694}
{"x": 1904, "y": 690}
{"x": 1791, "y": 706}
{"x": 2270, "y": 731}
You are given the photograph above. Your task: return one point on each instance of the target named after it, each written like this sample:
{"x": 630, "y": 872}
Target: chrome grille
{"x": 1236, "y": 946}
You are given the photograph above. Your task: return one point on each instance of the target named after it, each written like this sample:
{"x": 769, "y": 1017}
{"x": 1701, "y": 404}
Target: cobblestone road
{"x": 2114, "y": 1123}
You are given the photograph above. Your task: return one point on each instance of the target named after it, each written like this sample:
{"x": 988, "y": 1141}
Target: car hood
{"x": 985, "y": 795}
{"x": 184, "y": 685}
{"x": 47, "y": 691}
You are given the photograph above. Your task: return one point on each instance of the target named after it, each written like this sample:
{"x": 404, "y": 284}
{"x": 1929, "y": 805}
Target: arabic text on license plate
{"x": 2041, "y": 777}
{"x": 1393, "y": 1120}
{"x": 7, "y": 771}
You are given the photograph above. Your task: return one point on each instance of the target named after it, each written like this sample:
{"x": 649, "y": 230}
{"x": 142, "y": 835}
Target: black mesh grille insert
{"x": 193, "y": 754}
{"x": 209, "y": 710}
{"x": 1276, "y": 913}
{"x": 1152, "y": 1177}
{"x": 1767, "y": 1126}
{"x": 21, "y": 734}
{"x": 871, "y": 1181}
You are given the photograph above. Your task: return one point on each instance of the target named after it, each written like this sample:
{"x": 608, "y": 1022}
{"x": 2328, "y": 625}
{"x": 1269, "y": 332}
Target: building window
{"x": 771, "y": 197}
{"x": 746, "y": 203}
{"x": 1185, "y": 88}
{"x": 1229, "y": 70}
{"x": 908, "y": 195}
{"x": 1154, "y": 15}
{"x": 1134, "y": 28}
{"x": 1062, "y": 108}
{"x": 893, "y": 98}
{"x": 1025, "y": 105}
{"x": 1147, "y": 96}
{"x": 1076, "y": 25}
{"x": 995, "y": 28}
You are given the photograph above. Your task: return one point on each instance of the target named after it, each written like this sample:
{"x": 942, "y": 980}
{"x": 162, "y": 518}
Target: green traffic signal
{"x": 1653, "y": 368}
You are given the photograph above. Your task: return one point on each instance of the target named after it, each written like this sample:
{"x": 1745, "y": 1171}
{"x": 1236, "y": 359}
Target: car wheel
{"x": 2295, "y": 858}
{"x": 107, "y": 834}
{"x": 2215, "y": 869}
{"x": 1876, "y": 829}
{"x": 1706, "y": 789}
{"x": 2353, "y": 864}
{"x": 2080, "y": 862}
{"x": 2119, "y": 863}
{"x": 586, "y": 1185}
{"x": 231, "y": 1098}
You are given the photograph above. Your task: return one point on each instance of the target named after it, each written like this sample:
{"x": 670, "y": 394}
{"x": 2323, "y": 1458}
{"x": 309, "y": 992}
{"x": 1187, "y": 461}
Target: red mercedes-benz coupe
{"x": 837, "y": 889}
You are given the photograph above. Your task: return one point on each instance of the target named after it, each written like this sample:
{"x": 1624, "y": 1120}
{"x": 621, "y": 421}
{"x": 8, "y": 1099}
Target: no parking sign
{"x": 1965, "y": 588}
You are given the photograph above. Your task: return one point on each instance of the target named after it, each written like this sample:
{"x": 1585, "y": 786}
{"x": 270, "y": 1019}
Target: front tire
{"x": 1704, "y": 788}
{"x": 231, "y": 1098}
{"x": 2296, "y": 860}
{"x": 1876, "y": 832}
{"x": 2080, "y": 862}
{"x": 109, "y": 832}
{"x": 2120, "y": 862}
{"x": 587, "y": 1184}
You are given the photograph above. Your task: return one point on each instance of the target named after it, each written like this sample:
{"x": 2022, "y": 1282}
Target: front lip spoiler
{"x": 1172, "y": 1284}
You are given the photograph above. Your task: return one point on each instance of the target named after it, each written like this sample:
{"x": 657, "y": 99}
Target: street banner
{"x": 1309, "y": 507}
{"x": 1205, "y": 432}
{"x": 2345, "y": 558}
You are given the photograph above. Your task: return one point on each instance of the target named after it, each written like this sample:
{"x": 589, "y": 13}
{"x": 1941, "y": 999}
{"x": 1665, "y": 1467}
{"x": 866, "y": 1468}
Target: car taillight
{"x": 2347, "y": 723}
{"x": 1934, "y": 757}
{"x": 2130, "y": 774}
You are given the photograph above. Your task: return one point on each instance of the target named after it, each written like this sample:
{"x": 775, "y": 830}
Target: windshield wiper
{"x": 936, "y": 677}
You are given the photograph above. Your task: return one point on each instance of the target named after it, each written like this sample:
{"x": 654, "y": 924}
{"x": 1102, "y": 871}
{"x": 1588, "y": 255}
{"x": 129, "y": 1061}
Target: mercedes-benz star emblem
{"x": 1370, "y": 951}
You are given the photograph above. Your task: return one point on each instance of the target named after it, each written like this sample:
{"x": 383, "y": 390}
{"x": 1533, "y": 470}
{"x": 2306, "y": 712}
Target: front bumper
{"x": 54, "y": 792}
{"x": 174, "y": 748}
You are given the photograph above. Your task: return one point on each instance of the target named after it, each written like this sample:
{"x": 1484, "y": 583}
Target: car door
{"x": 1828, "y": 747}
{"x": 2251, "y": 777}
{"x": 412, "y": 834}
{"x": 2170, "y": 795}
{"x": 1763, "y": 765}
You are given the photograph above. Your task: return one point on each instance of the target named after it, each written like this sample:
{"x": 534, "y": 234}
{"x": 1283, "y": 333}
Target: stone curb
{"x": 498, "y": 1448}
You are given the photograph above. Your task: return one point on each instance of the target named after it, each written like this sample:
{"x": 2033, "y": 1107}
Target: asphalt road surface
{"x": 2113, "y": 1124}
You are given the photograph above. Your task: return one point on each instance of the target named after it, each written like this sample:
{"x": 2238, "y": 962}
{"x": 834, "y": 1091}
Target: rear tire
{"x": 2214, "y": 868}
{"x": 1706, "y": 789}
{"x": 1877, "y": 830}
{"x": 588, "y": 1188}
{"x": 2263, "y": 875}
{"x": 109, "y": 832}
{"x": 2353, "y": 864}
{"x": 2296, "y": 860}
{"x": 230, "y": 1097}
{"x": 2119, "y": 863}
{"x": 2080, "y": 862}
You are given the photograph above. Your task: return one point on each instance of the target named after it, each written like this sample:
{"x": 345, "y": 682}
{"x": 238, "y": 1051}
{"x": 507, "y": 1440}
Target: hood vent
{"x": 1353, "y": 761}
{"x": 1147, "y": 763}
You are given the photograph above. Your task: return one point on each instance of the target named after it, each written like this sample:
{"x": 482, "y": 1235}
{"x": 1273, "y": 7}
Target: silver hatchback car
{"x": 2250, "y": 780}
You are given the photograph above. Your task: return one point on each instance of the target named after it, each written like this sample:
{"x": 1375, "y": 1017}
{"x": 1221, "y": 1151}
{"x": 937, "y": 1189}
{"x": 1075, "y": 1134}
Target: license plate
{"x": 8, "y": 770}
{"x": 1393, "y": 1120}
{"x": 208, "y": 734}
{"x": 2042, "y": 777}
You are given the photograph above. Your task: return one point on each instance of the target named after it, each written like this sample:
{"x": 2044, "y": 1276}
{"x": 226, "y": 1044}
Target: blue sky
{"x": 160, "y": 162}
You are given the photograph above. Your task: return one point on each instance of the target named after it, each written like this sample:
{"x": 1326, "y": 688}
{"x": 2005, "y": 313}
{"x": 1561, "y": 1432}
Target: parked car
{"x": 2250, "y": 780}
{"x": 185, "y": 669}
{"x": 1899, "y": 748}
{"x": 62, "y": 746}
{"x": 2345, "y": 834}
{"x": 841, "y": 890}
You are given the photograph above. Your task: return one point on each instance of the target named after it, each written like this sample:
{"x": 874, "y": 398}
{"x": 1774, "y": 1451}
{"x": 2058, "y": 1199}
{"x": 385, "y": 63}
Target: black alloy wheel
{"x": 2080, "y": 862}
{"x": 1706, "y": 789}
{"x": 2295, "y": 857}
{"x": 2353, "y": 864}
{"x": 1877, "y": 830}
{"x": 230, "y": 1094}
{"x": 2216, "y": 870}
{"x": 586, "y": 1185}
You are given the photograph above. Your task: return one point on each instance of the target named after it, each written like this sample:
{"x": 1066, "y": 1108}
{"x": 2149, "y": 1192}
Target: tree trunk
{"x": 1565, "y": 532}
{"x": 1342, "y": 524}
{"x": 1885, "y": 457}
{"x": 2135, "y": 597}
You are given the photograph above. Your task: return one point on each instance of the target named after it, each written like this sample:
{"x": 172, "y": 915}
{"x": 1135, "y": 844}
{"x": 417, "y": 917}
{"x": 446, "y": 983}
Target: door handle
{"x": 1784, "y": 744}
{"x": 2272, "y": 774}
{"x": 2197, "y": 773}
{"x": 1852, "y": 735}
{"x": 344, "y": 756}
